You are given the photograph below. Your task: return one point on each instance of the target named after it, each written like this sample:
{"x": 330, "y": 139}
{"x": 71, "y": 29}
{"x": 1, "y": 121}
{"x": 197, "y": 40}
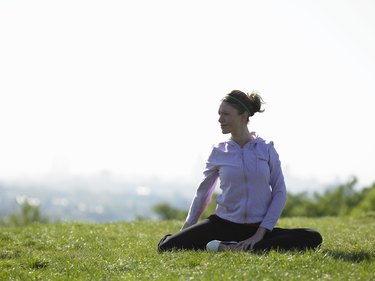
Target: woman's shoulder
{"x": 221, "y": 146}
{"x": 259, "y": 141}
{"x": 264, "y": 147}
{"x": 263, "y": 142}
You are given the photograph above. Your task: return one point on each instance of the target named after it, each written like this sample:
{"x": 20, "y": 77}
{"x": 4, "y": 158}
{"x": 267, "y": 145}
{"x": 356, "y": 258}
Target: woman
{"x": 253, "y": 191}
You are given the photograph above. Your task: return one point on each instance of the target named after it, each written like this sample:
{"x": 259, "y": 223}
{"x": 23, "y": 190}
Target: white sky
{"x": 133, "y": 87}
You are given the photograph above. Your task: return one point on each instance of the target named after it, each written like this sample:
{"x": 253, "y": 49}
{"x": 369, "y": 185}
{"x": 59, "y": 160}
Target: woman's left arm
{"x": 278, "y": 191}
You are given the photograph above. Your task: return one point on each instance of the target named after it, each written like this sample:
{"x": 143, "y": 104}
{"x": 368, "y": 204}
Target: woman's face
{"x": 229, "y": 119}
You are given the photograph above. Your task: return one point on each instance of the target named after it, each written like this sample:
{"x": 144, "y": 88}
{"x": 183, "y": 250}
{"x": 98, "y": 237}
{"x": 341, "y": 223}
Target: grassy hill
{"x": 127, "y": 251}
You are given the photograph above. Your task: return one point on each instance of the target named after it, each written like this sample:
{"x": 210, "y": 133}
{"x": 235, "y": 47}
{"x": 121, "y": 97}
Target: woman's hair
{"x": 245, "y": 102}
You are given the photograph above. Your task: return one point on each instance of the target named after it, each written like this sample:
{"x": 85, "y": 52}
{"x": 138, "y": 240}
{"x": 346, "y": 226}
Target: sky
{"x": 133, "y": 87}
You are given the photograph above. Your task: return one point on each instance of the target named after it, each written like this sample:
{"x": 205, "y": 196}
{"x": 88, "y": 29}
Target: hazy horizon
{"x": 133, "y": 88}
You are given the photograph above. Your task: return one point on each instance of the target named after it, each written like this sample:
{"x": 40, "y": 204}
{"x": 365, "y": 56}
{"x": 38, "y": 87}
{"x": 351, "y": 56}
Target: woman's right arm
{"x": 204, "y": 192}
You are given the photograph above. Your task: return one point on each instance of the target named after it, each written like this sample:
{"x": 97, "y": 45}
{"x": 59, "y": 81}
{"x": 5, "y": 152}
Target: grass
{"x": 127, "y": 251}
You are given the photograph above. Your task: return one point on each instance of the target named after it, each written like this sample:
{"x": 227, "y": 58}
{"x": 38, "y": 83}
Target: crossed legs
{"x": 197, "y": 236}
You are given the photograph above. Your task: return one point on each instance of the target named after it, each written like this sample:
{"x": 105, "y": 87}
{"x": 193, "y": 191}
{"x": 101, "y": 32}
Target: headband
{"x": 240, "y": 103}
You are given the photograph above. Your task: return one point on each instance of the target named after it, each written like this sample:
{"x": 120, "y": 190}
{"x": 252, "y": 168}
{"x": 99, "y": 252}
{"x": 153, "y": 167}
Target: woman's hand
{"x": 249, "y": 243}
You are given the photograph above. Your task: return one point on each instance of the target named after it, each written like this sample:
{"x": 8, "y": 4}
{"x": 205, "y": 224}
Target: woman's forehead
{"x": 225, "y": 106}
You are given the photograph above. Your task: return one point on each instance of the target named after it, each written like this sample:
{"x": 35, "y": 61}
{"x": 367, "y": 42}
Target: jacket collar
{"x": 254, "y": 140}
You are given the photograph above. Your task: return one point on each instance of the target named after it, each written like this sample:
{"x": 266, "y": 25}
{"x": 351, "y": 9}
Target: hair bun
{"x": 256, "y": 101}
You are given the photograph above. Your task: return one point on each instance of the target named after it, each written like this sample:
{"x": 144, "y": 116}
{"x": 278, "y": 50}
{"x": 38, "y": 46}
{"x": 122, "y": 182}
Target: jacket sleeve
{"x": 204, "y": 191}
{"x": 278, "y": 190}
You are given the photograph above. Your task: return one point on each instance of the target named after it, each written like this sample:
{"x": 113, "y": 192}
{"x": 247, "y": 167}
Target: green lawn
{"x": 127, "y": 251}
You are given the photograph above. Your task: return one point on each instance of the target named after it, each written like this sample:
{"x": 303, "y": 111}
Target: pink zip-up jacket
{"x": 251, "y": 180}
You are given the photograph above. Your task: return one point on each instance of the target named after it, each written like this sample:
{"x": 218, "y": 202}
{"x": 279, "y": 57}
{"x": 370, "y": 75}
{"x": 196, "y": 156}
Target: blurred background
{"x": 109, "y": 108}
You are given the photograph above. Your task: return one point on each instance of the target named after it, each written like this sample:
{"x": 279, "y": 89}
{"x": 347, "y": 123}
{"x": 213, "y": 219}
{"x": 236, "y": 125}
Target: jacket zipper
{"x": 245, "y": 180}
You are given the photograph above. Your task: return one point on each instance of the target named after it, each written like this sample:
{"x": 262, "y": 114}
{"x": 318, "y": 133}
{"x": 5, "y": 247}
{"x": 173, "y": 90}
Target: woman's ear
{"x": 245, "y": 116}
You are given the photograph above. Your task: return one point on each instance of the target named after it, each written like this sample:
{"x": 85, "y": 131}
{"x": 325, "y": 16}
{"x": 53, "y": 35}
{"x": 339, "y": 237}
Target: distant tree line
{"x": 29, "y": 213}
{"x": 342, "y": 200}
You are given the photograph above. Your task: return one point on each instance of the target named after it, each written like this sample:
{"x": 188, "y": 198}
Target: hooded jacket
{"x": 251, "y": 180}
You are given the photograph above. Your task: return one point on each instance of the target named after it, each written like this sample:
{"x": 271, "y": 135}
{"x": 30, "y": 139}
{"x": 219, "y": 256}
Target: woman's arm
{"x": 201, "y": 199}
{"x": 278, "y": 191}
{"x": 204, "y": 192}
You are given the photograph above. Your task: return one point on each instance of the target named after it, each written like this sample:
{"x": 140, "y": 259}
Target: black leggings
{"x": 197, "y": 236}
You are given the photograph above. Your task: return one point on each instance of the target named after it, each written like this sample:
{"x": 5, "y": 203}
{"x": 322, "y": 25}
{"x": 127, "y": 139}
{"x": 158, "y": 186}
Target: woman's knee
{"x": 316, "y": 238}
{"x": 310, "y": 238}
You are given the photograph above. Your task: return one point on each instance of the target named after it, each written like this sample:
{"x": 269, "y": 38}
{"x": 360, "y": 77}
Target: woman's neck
{"x": 242, "y": 139}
